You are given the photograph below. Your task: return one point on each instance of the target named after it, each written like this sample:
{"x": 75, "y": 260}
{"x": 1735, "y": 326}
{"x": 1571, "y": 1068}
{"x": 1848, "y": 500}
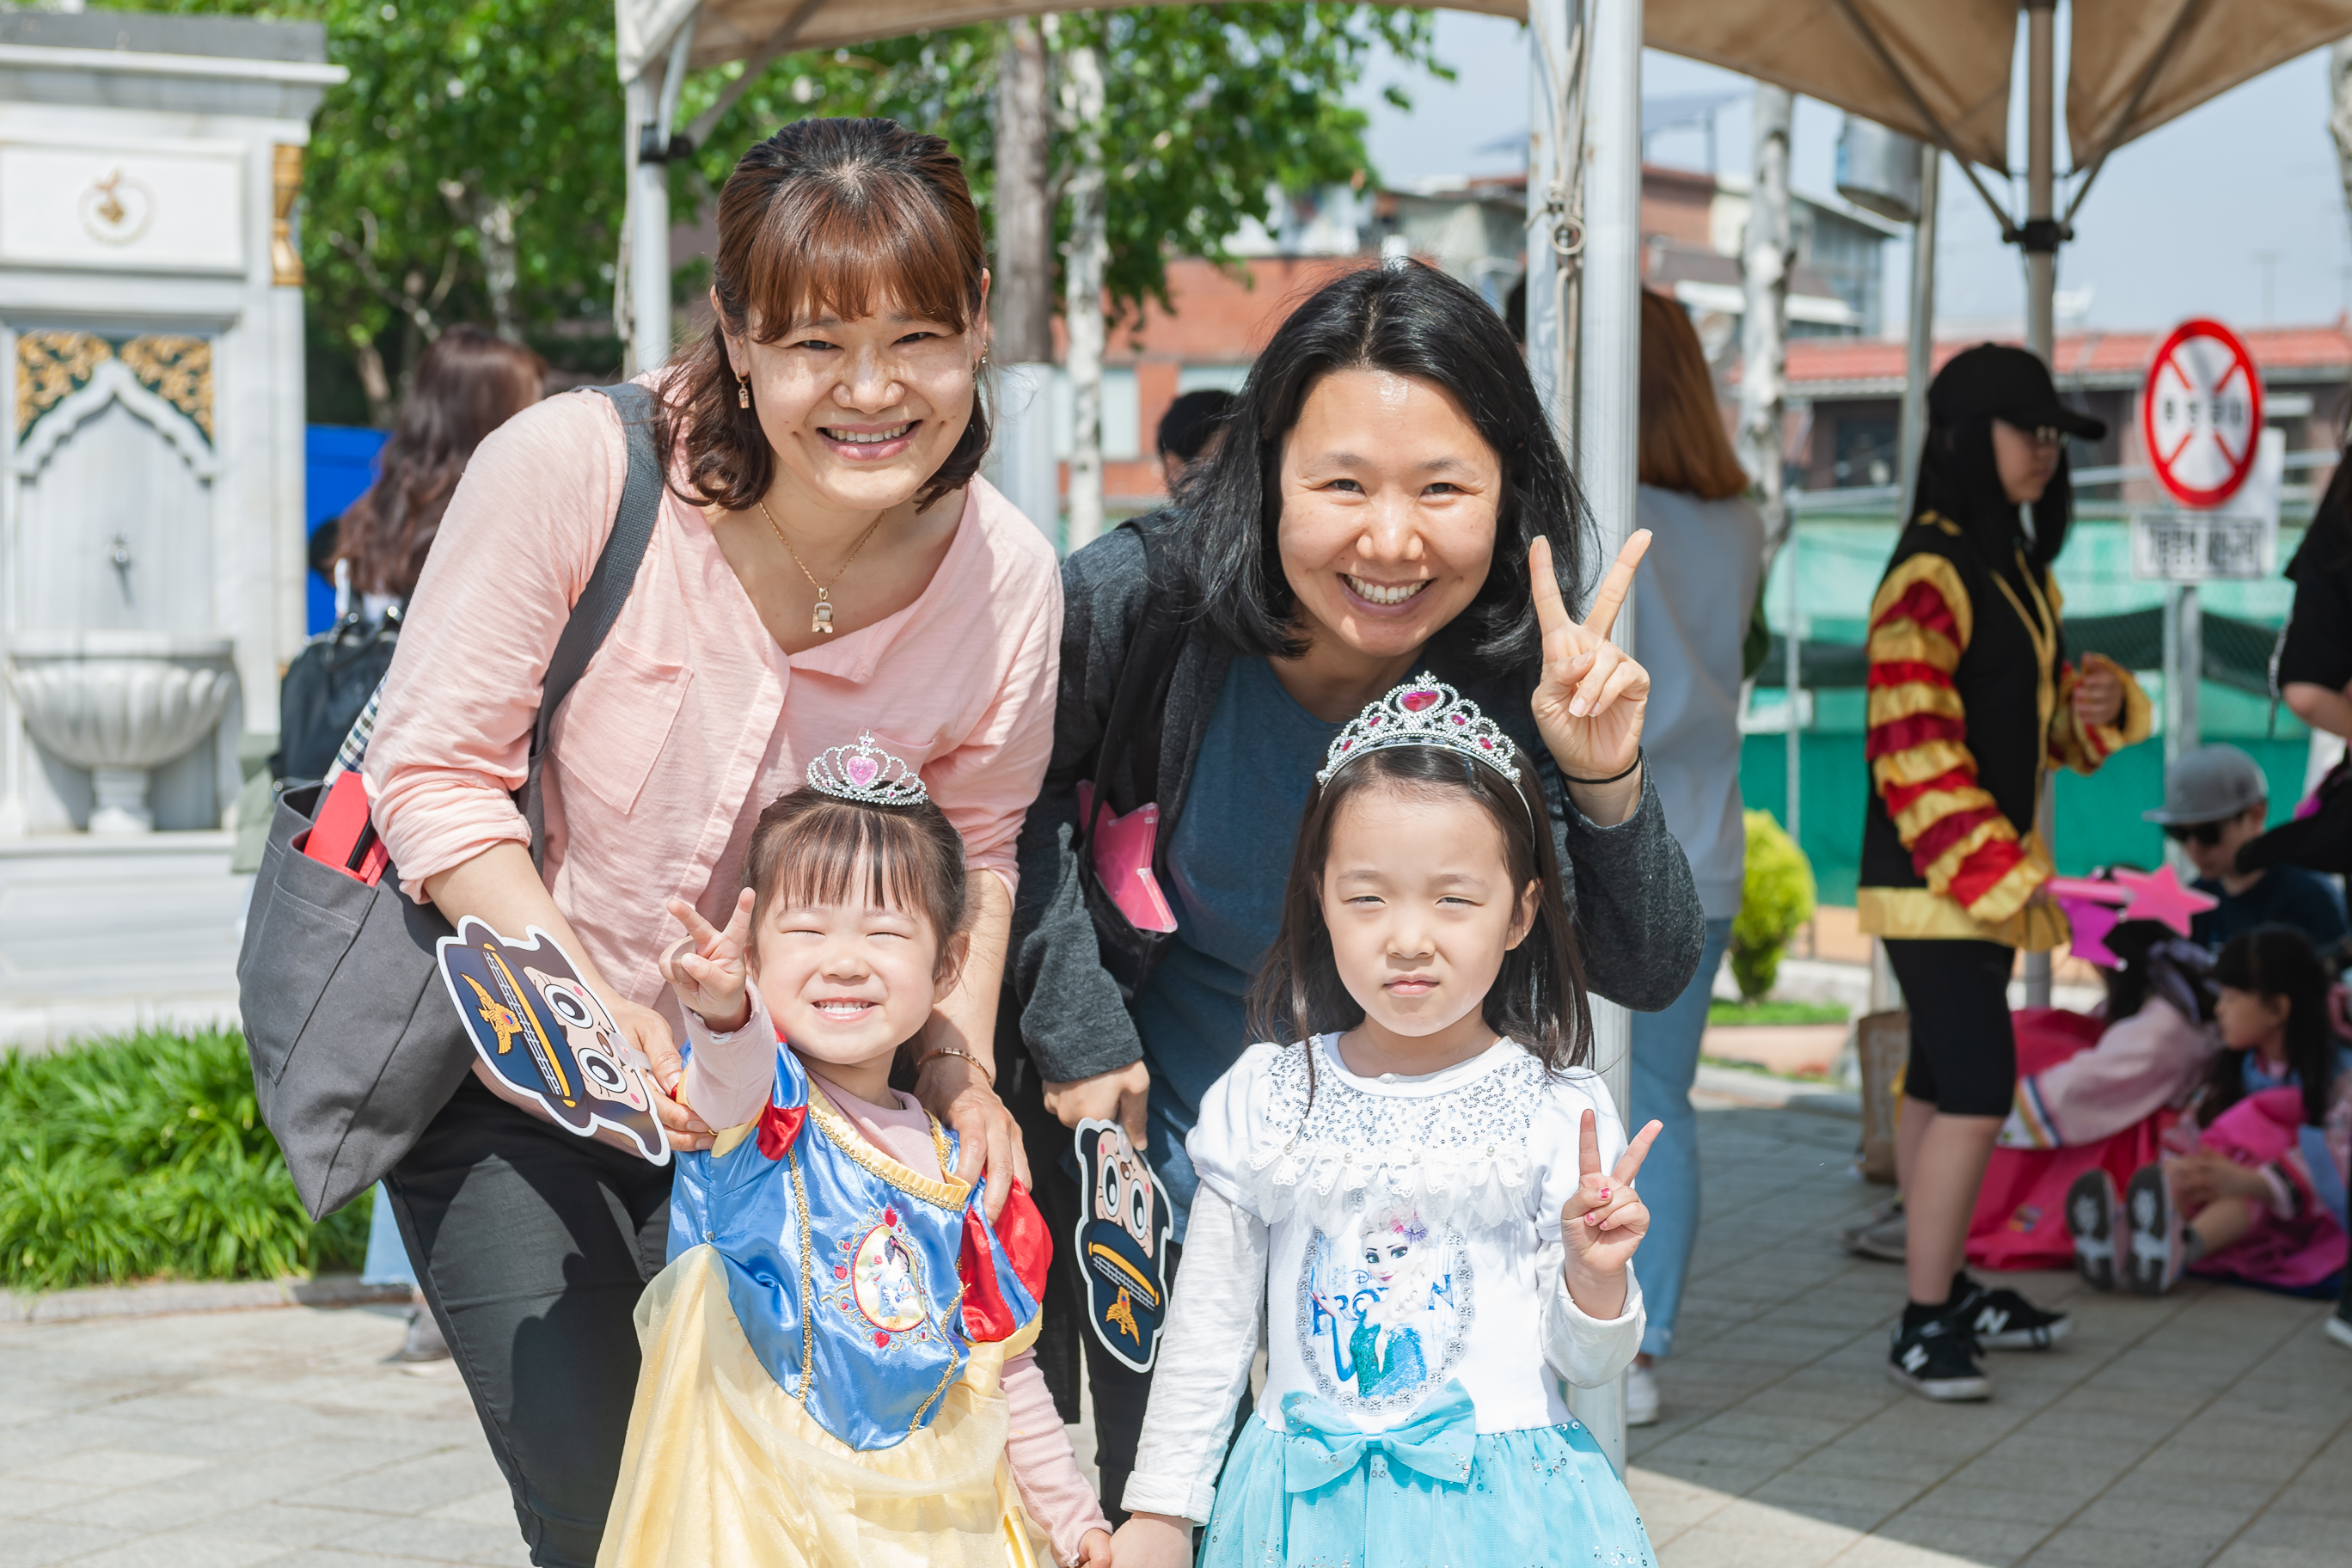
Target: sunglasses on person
{"x": 2208, "y": 834}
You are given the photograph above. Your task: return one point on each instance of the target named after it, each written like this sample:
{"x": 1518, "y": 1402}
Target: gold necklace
{"x": 823, "y": 621}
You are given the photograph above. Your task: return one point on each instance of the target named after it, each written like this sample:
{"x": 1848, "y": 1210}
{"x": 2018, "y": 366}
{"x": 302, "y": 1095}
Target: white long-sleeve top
{"x": 1402, "y": 1234}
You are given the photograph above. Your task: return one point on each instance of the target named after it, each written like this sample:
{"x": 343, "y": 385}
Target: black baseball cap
{"x": 1994, "y": 380}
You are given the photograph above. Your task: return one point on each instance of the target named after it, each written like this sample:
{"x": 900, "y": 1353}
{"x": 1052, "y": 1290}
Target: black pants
{"x": 1963, "y": 1046}
{"x": 1120, "y": 1393}
{"x": 532, "y": 1246}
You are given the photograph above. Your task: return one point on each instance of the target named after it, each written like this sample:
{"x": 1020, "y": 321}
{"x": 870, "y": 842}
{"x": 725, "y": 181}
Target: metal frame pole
{"x": 1919, "y": 360}
{"x": 2040, "y": 240}
{"x": 1608, "y": 408}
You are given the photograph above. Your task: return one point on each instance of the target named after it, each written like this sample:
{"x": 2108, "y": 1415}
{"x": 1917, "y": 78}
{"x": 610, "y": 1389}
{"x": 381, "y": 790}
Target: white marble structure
{"x": 150, "y": 487}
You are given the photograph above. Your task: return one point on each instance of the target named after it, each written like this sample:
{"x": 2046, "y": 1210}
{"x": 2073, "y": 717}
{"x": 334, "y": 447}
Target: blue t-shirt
{"x": 2286, "y": 896}
{"x": 1227, "y": 866}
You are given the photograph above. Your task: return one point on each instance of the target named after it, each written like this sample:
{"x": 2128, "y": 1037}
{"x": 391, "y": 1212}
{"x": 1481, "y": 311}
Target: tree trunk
{"x": 368, "y": 361}
{"x": 1025, "y": 210}
{"x": 1764, "y": 329}
{"x": 1082, "y": 309}
{"x": 2339, "y": 111}
{"x": 494, "y": 226}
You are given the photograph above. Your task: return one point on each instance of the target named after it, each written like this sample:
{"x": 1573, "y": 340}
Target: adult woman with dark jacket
{"x": 1387, "y": 485}
{"x": 1972, "y": 704}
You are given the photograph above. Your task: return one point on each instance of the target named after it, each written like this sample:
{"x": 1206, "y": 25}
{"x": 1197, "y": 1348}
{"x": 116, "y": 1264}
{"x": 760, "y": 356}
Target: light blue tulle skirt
{"x": 1544, "y": 1498}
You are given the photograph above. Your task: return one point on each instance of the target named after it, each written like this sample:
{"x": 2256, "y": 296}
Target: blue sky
{"x": 2176, "y": 227}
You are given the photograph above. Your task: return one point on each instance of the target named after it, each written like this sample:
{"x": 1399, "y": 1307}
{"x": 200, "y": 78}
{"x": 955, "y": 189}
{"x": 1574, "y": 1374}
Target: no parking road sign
{"x": 2202, "y": 413}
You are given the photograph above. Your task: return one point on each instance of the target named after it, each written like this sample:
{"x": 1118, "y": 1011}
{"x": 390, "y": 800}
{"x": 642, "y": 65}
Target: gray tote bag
{"x": 354, "y": 1045}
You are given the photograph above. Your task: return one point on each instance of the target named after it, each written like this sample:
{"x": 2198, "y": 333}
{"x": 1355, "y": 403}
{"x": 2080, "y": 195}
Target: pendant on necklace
{"x": 824, "y": 622}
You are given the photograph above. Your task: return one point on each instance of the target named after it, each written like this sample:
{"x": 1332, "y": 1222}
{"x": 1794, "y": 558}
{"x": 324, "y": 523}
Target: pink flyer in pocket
{"x": 1123, "y": 846}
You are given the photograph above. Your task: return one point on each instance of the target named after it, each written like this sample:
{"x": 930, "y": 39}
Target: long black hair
{"x": 1959, "y": 479}
{"x": 1538, "y": 998}
{"x": 2276, "y": 960}
{"x": 2327, "y": 547}
{"x": 1410, "y": 320}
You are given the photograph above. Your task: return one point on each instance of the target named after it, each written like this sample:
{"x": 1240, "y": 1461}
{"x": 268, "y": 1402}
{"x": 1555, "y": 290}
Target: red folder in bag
{"x": 1122, "y": 848}
{"x": 341, "y": 835}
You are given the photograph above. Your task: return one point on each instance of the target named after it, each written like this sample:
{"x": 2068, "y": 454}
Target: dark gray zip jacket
{"x": 1074, "y": 970}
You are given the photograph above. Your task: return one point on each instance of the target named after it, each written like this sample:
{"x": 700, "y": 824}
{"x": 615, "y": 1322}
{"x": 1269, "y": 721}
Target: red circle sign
{"x": 2201, "y": 412}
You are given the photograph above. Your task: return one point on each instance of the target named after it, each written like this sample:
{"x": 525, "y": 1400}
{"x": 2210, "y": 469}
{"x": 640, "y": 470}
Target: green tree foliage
{"x": 1210, "y": 110}
{"x": 472, "y": 167}
{"x": 1775, "y": 899}
{"x": 146, "y": 1156}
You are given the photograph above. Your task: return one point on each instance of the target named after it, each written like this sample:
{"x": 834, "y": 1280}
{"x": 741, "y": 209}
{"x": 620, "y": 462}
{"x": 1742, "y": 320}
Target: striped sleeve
{"x": 1960, "y": 844}
{"x": 2083, "y": 747}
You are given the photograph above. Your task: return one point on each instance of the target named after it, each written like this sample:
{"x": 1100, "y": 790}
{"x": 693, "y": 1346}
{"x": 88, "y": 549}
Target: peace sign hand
{"x": 709, "y": 968}
{"x": 1604, "y": 1220}
{"x": 1590, "y": 699}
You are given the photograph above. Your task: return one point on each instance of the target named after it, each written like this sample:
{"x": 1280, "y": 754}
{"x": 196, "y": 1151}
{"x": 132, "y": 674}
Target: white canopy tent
{"x": 1941, "y": 74}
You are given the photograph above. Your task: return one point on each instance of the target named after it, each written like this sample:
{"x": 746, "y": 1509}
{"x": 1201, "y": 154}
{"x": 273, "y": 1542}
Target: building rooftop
{"x": 1867, "y": 367}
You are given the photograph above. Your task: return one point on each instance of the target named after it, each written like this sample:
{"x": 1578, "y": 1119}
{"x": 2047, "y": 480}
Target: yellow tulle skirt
{"x": 724, "y": 1469}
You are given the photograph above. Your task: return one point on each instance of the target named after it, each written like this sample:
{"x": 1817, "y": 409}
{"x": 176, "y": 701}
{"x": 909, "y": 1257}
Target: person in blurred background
{"x": 1972, "y": 703}
{"x": 1691, "y": 612}
{"x": 1190, "y": 431}
{"x": 2216, "y": 801}
{"x": 469, "y": 381}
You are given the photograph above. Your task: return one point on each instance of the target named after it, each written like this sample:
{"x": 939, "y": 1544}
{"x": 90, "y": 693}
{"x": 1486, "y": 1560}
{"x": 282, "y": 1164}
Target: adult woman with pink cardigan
{"x": 826, "y": 562}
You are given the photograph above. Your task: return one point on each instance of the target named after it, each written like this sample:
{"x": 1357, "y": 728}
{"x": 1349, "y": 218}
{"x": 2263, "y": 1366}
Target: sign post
{"x": 2201, "y": 419}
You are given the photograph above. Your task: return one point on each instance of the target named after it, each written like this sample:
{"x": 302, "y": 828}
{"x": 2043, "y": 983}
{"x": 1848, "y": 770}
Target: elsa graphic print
{"x": 1385, "y": 1308}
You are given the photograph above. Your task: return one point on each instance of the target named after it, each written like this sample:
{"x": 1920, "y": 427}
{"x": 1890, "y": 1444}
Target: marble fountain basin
{"x": 120, "y": 703}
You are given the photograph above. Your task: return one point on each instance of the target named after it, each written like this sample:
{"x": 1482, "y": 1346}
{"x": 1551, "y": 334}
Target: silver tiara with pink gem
{"x": 1423, "y": 712}
{"x": 868, "y": 775}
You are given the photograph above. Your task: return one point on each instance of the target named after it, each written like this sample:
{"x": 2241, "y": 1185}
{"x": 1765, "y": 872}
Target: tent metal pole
{"x": 1919, "y": 360}
{"x": 649, "y": 282}
{"x": 1608, "y": 404}
{"x": 1554, "y": 225}
{"x": 2039, "y": 238}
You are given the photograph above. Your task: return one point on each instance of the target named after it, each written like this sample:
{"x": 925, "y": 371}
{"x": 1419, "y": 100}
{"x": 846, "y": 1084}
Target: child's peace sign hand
{"x": 1590, "y": 698}
{"x": 1604, "y": 1220}
{"x": 707, "y": 967}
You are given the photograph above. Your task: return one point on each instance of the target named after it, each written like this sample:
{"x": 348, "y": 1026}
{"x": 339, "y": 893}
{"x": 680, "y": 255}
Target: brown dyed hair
{"x": 1682, "y": 445}
{"x": 469, "y": 381}
{"x": 810, "y": 848}
{"x": 1538, "y": 998}
{"x": 824, "y": 218}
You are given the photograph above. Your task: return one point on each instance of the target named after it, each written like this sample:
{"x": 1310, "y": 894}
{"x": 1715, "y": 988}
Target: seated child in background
{"x": 836, "y": 1367}
{"x": 2095, "y": 1093}
{"x": 2216, "y": 801}
{"x": 2258, "y": 1194}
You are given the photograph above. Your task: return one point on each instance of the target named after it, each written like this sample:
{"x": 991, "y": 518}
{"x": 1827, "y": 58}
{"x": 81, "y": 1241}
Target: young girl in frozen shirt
{"x": 836, "y": 1369}
{"x": 1433, "y": 1204}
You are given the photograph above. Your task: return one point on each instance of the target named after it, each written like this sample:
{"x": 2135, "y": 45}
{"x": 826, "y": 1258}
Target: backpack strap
{"x": 615, "y": 572}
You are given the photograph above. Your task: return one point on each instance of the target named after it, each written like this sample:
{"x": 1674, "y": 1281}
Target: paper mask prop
{"x": 1122, "y": 1241}
{"x": 545, "y": 1042}
{"x": 1123, "y": 847}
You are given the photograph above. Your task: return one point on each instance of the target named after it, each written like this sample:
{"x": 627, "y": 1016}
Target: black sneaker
{"x": 2004, "y": 1321}
{"x": 1937, "y": 1361}
{"x": 2090, "y": 1210}
{"x": 2152, "y": 1265}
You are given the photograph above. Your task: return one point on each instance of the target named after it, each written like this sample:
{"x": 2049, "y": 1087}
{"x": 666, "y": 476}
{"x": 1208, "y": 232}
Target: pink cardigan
{"x": 689, "y": 719}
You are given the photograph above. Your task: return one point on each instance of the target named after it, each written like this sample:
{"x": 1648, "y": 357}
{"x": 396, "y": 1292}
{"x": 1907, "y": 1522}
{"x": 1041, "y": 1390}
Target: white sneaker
{"x": 1641, "y": 1397}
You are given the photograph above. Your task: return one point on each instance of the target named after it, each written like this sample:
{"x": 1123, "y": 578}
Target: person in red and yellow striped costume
{"x": 1973, "y": 704}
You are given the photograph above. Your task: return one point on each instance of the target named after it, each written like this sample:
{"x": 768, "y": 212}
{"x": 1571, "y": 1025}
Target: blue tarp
{"x": 339, "y": 462}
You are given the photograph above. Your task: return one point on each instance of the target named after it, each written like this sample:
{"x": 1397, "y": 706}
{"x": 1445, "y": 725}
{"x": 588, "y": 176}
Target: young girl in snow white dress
{"x": 1434, "y": 1205}
{"x": 837, "y": 1371}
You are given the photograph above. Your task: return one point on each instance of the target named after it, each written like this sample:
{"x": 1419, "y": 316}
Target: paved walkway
{"x": 2211, "y": 1428}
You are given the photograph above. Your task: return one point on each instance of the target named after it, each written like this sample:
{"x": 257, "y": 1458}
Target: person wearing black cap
{"x": 1971, "y": 705}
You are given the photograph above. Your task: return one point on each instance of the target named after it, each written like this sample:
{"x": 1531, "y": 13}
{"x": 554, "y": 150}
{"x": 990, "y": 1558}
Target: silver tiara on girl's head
{"x": 1423, "y": 712}
{"x": 867, "y": 774}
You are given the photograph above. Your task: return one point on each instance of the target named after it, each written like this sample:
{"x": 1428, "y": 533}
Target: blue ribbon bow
{"x": 1319, "y": 1447}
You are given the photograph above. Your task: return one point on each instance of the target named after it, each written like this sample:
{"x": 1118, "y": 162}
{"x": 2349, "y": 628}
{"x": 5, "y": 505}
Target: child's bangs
{"x": 842, "y": 251}
{"x": 845, "y": 856}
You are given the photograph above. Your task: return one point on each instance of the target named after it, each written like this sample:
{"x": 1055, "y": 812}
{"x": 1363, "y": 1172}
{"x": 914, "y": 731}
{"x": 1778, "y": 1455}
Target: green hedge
{"x": 144, "y": 1156}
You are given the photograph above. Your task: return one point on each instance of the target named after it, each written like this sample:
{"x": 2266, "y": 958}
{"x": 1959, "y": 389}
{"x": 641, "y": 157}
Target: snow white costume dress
{"x": 824, "y": 1355}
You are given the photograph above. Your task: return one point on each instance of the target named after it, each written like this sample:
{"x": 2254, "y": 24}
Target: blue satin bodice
{"x": 849, "y": 1273}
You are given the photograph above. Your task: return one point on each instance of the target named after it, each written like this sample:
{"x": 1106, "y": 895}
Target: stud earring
{"x": 742, "y": 392}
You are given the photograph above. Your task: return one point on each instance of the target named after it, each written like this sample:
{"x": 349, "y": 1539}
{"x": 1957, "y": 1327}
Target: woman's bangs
{"x": 839, "y": 254}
